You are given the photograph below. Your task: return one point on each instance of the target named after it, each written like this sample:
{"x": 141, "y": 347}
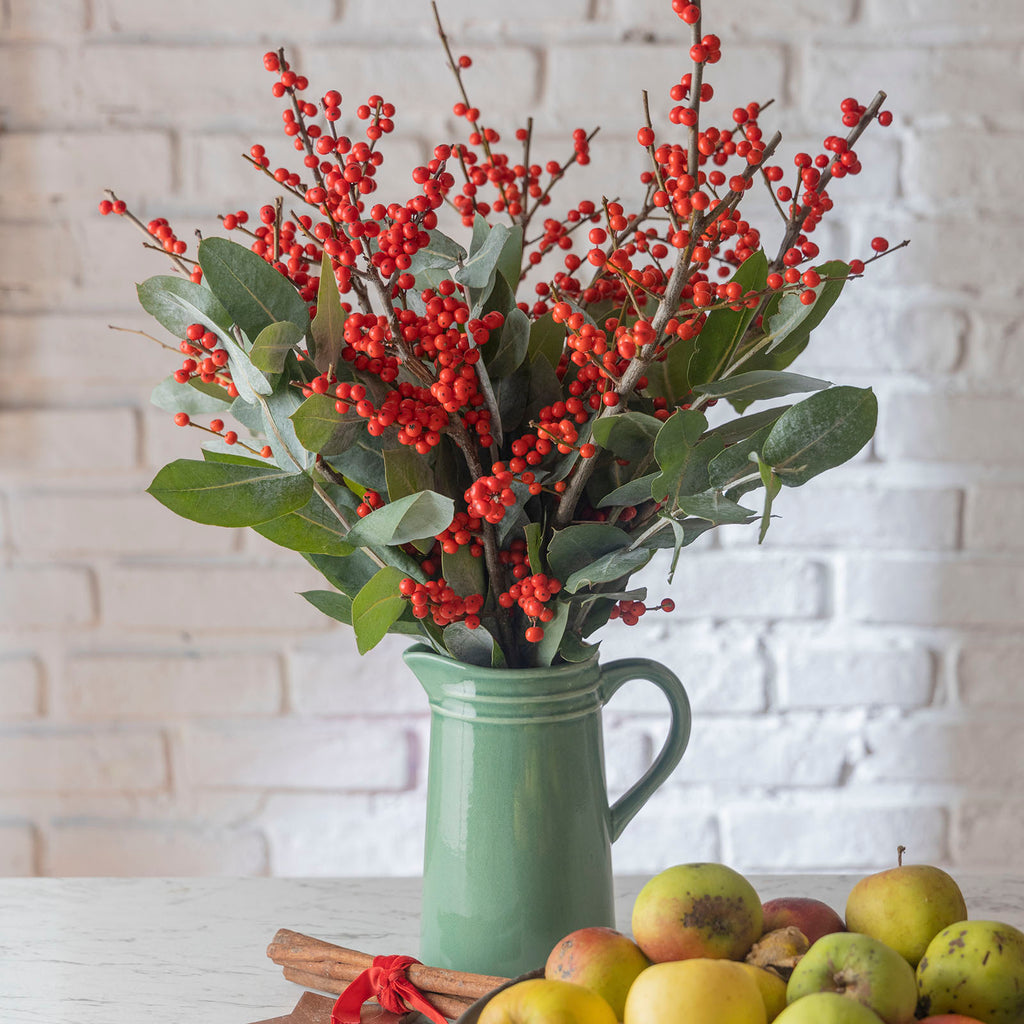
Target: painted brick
{"x": 118, "y": 522}
{"x": 722, "y": 670}
{"x": 980, "y": 755}
{"x": 993, "y": 518}
{"x": 193, "y": 17}
{"x": 798, "y": 750}
{"x": 152, "y": 849}
{"x": 96, "y": 363}
{"x": 208, "y": 598}
{"x": 300, "y": 754}
{"x": 34, "y": 168}
{"x": 339, "y": 834}
{"x": 163, "y": 442}
{"x": 989, "y": 833}
{"x": 671, "y": 828}
{"x": 737, "y": 587}
{"x": 17, "y": 849}
{"x": 834, "y": 677}
{"x": 935, "y": 593}
{"x": 831, "y": 833}
{"x": 989, "y": 673}
{"x": 69, "y": 442}
{"x": 55, "y": 19}
{"x": 42, "y": 269}
{"x": 967, "y": 80}
{"x": 823, "y": 515}
{"x": 104, "y": 761}
{"x": 753, "y": 71}
{"x": 21, "y": 687}
{"x": 52, "y": 79}
{"x": 997, "y": 354}
{"x": 986, "y": 15}
{"x": 459, "y": 14}
{"x": 629, "y": 750}
{"x": 328, "y": 676}
{"x": 953, "y": 428}
{"x": 740, "y": 16}
{"x": 46, "y": 597}
{"x": 162, "y": 685}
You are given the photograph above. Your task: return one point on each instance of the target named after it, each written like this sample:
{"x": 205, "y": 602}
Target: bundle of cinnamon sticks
{"x": 329, "y": 968}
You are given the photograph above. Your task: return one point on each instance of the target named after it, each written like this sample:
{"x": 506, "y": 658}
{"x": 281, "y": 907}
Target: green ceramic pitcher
{"x": 519, "y": 827}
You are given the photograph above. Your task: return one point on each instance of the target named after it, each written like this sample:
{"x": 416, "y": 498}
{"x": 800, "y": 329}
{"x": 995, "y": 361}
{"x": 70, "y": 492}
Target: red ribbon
{"x": 385, "y": 981}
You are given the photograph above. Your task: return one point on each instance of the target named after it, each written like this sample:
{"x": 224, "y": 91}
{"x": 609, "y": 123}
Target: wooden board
{"x": 316, "y": 1009}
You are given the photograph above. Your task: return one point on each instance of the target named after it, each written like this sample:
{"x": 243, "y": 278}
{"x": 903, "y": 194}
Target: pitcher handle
{"x": 613, "y": 675}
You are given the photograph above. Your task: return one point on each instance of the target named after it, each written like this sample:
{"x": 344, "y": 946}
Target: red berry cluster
{"x": 370, "y": 503}
{"x": 204, "y": 360}
{"x": 629, "y": 612}
{"x": 532, "y": 594}
{"x": 436, "y": 599}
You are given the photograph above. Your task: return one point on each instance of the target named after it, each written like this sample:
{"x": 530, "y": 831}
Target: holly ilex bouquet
{"x": 478, "y": 440}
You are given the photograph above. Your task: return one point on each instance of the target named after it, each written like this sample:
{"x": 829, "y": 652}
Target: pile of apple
{"x": 707, "y": 951}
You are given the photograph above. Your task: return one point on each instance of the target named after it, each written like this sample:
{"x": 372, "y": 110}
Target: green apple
{"x": 827, "y": 1008}
{"x": 601, "y": 959}
{"x": 546, "y": 1001}
{"x": 905, "y": 907}
{"x": 697, "y": 910}
{"x": 695, "y": 991}
{"x": 975, "y": 968}
{"x": 860, "y": 968}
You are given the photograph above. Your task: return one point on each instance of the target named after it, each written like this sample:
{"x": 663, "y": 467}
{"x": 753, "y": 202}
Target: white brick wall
{"x": 169, "y": 705}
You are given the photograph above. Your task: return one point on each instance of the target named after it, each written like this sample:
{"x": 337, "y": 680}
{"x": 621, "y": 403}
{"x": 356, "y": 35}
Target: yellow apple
{"x": 695, "y": 991}
{"x": 547, "y": 1001}
{"x": 772, "y": 989}
{"x": 601, "y": 959}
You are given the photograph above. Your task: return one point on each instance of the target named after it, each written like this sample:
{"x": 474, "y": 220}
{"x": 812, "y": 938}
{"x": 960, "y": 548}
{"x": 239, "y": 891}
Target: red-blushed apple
{"x": 546, "y": 1001}
{"x": 859, "y": 968}
{"x": 697, "y": 910}
{"x": 950, "y": 1018}
{"x": 813, "y": 917}
{"x": 601, "y": 959}
{"x": 827, "y": 1008}
{"x": 695, "y": 991}
{"x": 905, "y": 907}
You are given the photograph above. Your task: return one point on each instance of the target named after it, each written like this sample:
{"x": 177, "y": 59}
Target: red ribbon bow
{"x": 385, "y": 981}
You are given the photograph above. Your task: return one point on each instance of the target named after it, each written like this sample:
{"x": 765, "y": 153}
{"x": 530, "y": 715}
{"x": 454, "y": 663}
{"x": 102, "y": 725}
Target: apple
{"x": 905, "y": 907}
{"x": 545, "y": 1001}
{"x": 695, "y": 991}
{"x": 697, "y": 910}
{"x": 601, "y": 959}
{"x": 860, "y": 968}
{"x": 812, "y": 917}
{"x": 950, "y": 1018}
{"x": 772, "y": 989}
{"x": 827, "y": 1008}
{"x": 974, "y": 968}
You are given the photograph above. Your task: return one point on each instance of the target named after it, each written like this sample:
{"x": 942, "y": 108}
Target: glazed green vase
{"x": 519, "y": 825}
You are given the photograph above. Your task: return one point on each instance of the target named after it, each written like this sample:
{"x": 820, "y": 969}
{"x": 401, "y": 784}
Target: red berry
{"x": 181, "y": 419}
{"x": 879, "y": 244}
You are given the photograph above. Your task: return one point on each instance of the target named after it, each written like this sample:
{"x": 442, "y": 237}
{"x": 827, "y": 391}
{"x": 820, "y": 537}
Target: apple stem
{"x": 900, "y": 850}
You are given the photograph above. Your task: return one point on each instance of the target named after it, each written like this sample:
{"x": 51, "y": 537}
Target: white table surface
{"x": 192, "y": 951}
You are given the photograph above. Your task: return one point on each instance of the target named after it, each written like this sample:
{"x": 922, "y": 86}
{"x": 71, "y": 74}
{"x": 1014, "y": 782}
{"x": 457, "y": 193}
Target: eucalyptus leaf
{"x": 683, "y": 456}
{"x": 575, "y": 650}
{"x": 634, "y": 492}
{"x": 320, "y": 428}
{"x": 228, "y": 455}
{"x": 534, "y": 536}
{"x": 544, "y": 653}
{"x": 250, "y": 289}
{"x": 820, "y": 432}
{"x": 248, "y": 380}
{"x": 511, "y": 257}
{"x": 772, "y": 486}
{"x": 613, "y": 566}
{"x": 273, "y": 344}
{"x": 513, "y": 344}
{"x": 744, "y": 426}
{"x": 790, "y": 322}
{"x": 734, "y": 463}
{"x": 328, "y": 326}
{"x": 630, "y": 435}
{"x": 440, "y": 251}
{"x": 406, "y": 472}
{"x": 578, "y": 545}
{"x": 715, "y": 508}
{"x": 415, "y": 517}
{"x": 761, "y": 384}
{"x": 314, "y": 529}
{"x": 224, "y": 494}
{"x": 331, "y": 603}
{"x": 547, "y": 340}
{"x": 668, "y": 376}
{"x": 376, "y": 607}
{"x": 472, "y": 646}
{"x": 512, "y": 393}
{"x": 463, "y": 572}
{"x": 278, "y": 409}
{"x": 177, "y": 303}
{"x": 195, "y": 397}
{"x": 478, "y": 270}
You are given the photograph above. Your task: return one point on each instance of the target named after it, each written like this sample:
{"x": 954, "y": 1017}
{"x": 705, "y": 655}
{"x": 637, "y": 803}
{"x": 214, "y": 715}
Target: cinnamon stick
{"x": 450, "y": 1006}
{"x": 325, "y": 960}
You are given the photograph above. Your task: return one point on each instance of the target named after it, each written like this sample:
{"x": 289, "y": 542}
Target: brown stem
{"x": 142, "y": 227}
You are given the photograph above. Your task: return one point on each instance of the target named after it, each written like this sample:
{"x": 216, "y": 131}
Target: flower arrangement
{"x": 478, "y": 469}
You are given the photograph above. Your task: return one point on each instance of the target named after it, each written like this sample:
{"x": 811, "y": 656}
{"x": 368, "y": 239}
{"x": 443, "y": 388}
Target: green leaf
{"x": 772, "y": 486}
{"x": 328, "y": 326}
{"x": 683, "y": 457}
{"x": 250, "y": 289}
{"x": 416, "y": 517}
{"x": 195, "y": 397}
{"x": 634, "y": 492}
{"x": 479, "y": 269}
{"x": 576, "y": 650}
{"x": 791, "y": 322}
{"x": 738, "y": 429}
{"x": 463, "y": 573}
{"x": 761, "y": 384}
{"x": 330, "y": 602}
{"x": 668, "y": 377}
{"x": 177, "y": 303}
{"x": 313, "y": 529}
{"x": 471, "y": 646}
{"x": 545, "y": 652}
{"x": 577, "y": 546}
{"x": 734, "y": 463}
{"x": 724, "y": 328}
{"x": 232, "y": 457}
{"x": 440, "y": 251}
{"x": 820, "y": 432}
{"x": 534, "y": 537}
{"x": 376, "y": 607}
{"x": 223, "y": 494}
{"x": 630, "y": 435}
{"x": 610, "y": 567}
{"x": 715, "y": 508}
{"x": 247, "y": 379}
{"x": 512, "y": 393}
{"x": 545, "y": 388}
{"x": 513, "y": 344}
{"x": 483, "y": 380}
{"x": 272, "y": 346}
{"x": 278, "y": 409}
{"x": 511, "y": 257}
{"x": 320, "y": 428}
{"x": 547, "y": 339}
{"x": 406, "y": 472}
{"x": 352, "y": 572}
